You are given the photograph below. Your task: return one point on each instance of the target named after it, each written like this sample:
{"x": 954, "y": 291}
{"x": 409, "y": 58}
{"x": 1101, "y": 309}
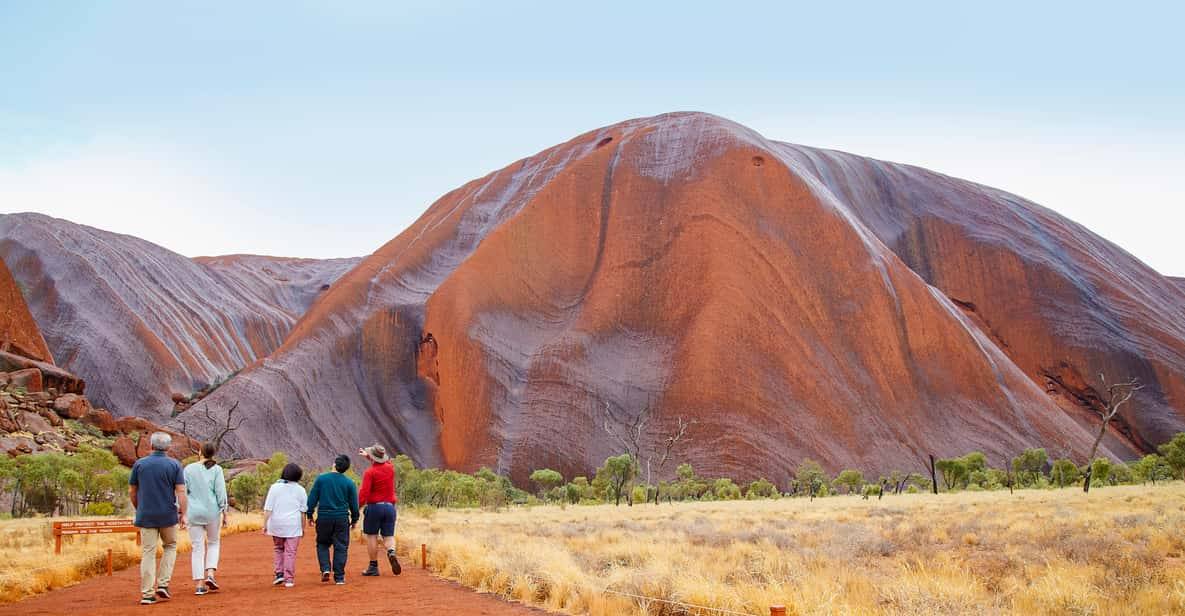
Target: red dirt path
{"x": 246, "y": 573}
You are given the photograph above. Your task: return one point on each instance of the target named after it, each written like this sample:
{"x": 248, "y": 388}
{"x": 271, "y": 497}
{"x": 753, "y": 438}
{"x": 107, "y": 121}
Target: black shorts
{"x": 379, "y": 520}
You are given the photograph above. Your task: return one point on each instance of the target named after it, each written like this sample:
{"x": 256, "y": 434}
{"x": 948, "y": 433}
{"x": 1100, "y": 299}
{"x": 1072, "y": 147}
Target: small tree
{"x": 953, "y": 470}
{"x": 1100, "y": 469}
{"x": 974, "y": 461}
{"x": 1029, "y": 466}
{"x": 546, "y": 479}
{"x": 1150, "y": 468}
{"x": 617, "y": 472}
{"x": 762, "y": 488}
{"x": 1065, "y": 473}
{"x": 851, "y": 479}
{"x": 245, "y": 489}
{"x": 725, "y": 489}
{"x": 1173, "y": 453}
{"x": 810, "y": 476}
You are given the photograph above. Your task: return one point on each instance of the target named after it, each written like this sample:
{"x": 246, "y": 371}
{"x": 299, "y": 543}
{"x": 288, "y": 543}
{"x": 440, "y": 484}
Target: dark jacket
{"x": 334, "y": 497}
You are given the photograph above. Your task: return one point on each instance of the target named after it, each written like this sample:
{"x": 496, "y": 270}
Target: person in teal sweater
{"x": 334, "y": 500}
{"x": 205, "y": 487}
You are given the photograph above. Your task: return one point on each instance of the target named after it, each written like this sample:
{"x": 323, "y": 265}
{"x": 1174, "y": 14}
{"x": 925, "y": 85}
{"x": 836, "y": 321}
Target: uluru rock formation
{"x": 139, "y": 322}
{"x": 793, "y": 301}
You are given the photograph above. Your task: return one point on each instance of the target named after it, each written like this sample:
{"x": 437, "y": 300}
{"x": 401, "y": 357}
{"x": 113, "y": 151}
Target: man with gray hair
{"x": 156, "y": 488}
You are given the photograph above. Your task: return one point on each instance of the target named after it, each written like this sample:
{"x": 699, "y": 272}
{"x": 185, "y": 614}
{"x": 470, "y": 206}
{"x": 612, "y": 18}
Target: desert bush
{"x": 850, "y": 479}
{"x": 1065, "y": 473}
{"x": 247, "y": 490}
{"x": 762, "y": 488}
{"x": 99, "y": 509}
{"x": 1173, "y": 453}
{"x": 725, "y": 489}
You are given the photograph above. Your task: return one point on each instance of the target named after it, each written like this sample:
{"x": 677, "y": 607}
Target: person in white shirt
{"x": 283, "y": 519}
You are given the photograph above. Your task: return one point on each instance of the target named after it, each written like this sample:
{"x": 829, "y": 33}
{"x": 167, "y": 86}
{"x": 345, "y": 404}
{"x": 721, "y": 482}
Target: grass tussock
{"x": 1118, "y": 550}
{"x": 30, "y": 567}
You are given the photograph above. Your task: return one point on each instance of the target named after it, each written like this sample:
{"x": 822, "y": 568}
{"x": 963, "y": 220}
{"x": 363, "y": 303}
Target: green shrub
{"x": 762, "y": 488}
{"x": 99, "y": 509}
{"x": 851, "y": 479}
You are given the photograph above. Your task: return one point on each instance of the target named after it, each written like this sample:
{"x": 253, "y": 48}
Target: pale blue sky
{"x": 323, "y": 129}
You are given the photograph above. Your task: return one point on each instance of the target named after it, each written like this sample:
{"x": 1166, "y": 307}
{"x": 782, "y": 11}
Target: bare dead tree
{"x": 1118, "y": 394}
{"x": 628, "y": 432}
{"x": 223, "y": 427}
{"x": 632, "y": 434}
{"x": 668, "y": 445}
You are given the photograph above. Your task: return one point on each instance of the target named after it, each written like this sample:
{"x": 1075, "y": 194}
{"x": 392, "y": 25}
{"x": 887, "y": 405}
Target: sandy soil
{"x": 245, "y": 574}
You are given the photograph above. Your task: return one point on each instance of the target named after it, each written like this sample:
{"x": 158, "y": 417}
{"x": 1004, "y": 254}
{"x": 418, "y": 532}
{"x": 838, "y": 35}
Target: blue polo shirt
{"x": 155, "y": 477}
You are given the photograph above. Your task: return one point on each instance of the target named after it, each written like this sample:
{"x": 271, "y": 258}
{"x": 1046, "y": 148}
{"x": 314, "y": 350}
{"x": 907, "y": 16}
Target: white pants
{"x": 206, "y": 540}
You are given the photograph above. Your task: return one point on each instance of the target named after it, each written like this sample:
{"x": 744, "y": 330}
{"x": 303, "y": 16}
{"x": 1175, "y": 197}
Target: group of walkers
{"x": 168, "y": 498}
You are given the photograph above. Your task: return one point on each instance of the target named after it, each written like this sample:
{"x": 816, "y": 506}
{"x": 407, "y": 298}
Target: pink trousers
{"x": 286, "y": 556}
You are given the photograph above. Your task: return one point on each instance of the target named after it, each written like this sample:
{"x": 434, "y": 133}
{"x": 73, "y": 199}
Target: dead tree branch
{"x": 1118, "y": 394}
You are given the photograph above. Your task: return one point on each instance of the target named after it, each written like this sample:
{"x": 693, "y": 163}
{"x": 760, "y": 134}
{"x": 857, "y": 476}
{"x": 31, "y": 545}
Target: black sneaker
{"x": 340, "y": 582}
{"x": 278, "y": 580}
{"x": 163, "y": 592}
{"x": 211, "y": 583}
{"x": 395, "y": 568}
{"x": 148, "y": 600}
{"x": 201, "y": 590}
{"x": 371, "y": 571}
{"x": 326, "y": 576}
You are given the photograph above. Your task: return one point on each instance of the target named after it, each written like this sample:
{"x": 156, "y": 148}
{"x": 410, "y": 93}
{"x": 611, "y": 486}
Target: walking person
{"x": 205, "y": 487}
{"x": 334, "y": 500}
{"x": 283, "y": 519}
{"x": 378, "y": 497}
{"x": 156, "y": 488}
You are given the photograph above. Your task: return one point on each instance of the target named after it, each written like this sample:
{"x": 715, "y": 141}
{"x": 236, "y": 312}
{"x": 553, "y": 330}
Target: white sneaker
{"x": 289, "y": 584}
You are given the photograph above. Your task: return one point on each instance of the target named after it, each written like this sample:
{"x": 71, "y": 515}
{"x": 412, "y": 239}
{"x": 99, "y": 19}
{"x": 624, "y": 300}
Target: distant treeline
{"x": 91, "y": 481}
{"x": 617, "y": 481}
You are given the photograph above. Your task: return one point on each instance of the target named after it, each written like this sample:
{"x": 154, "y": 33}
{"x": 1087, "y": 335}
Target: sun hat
{"x": 377, "y": 453}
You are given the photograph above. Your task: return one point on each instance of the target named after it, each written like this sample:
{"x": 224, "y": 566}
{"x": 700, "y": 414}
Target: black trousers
{"x": 334, "y": 533}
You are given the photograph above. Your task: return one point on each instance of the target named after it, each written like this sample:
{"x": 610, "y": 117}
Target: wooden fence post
{"x": 110, "y": 564}
{"x": 423, "y": 556}
{"x": 777, "y": 610}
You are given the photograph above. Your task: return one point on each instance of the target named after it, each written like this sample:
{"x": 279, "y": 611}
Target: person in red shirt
{"x": 377, "y": 495}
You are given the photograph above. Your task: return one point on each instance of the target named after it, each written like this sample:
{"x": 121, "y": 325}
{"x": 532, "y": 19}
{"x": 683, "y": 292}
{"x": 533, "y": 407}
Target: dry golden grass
{"x": 1118, "y": 550}
{"x": 29, "y": 565}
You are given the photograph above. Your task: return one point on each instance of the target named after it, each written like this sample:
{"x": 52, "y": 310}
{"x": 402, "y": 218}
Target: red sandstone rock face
{"x": 139, "y": 322}
{"x": 18, "y": 330}
{"x": 795, "y": 302}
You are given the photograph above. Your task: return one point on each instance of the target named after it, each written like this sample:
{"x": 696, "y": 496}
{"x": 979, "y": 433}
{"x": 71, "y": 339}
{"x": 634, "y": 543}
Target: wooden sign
{"x": 91, "y": 527}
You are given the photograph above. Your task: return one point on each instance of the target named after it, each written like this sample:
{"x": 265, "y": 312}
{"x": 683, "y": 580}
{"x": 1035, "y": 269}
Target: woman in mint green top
{"x": 205, "y": 485}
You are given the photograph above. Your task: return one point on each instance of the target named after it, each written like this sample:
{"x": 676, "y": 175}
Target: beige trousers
{"x": 151, "y": 577}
